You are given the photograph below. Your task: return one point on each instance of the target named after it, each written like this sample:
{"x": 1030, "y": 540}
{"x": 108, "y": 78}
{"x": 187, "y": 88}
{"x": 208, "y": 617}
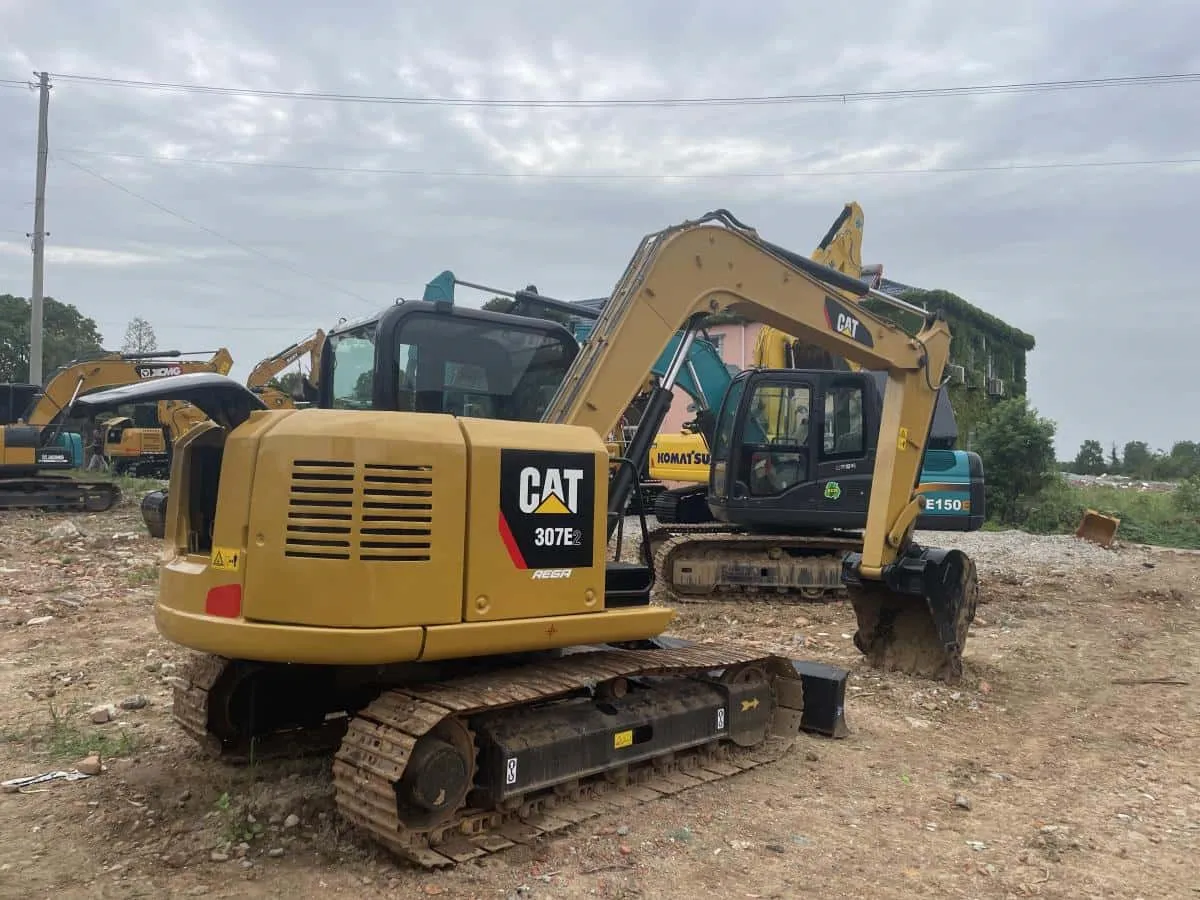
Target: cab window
{"x": 843, "y": 426}
{"x": 775, "y": 454}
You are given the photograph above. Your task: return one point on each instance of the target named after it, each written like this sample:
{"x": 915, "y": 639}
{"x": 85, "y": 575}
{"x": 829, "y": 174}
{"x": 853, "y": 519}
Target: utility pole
{"x": 39, "y": 233}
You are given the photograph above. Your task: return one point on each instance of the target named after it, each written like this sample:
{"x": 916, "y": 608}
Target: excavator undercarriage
{"x": 445, "y": 764}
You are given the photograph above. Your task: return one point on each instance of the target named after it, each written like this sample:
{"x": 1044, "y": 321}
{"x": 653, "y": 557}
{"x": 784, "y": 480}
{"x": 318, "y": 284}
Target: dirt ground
{"x": 1054, "y": 770}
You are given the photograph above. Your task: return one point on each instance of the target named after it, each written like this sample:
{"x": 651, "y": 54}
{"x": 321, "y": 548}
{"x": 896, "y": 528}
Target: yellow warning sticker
{"x": 623, "y": 739}
{"x": 225, "y": 558}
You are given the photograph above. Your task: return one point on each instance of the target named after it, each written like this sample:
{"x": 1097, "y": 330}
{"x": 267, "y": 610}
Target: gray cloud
{"x": 1089, "y": 260}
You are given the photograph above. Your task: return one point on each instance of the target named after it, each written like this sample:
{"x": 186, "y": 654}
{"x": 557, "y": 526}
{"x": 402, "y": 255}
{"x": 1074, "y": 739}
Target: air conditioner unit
{"x": 956, "y": 374}
{"x": 995, "y": 387}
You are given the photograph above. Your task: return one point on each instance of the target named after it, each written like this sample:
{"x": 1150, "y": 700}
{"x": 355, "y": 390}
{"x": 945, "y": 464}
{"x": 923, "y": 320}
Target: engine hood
{"x": 225, "y": 400}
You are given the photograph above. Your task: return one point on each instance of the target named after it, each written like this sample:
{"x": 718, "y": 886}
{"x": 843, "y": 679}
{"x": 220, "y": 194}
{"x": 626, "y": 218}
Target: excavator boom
{"x": 700, "y": 267}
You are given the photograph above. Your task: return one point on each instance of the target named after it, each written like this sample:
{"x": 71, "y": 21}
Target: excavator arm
{"x": 684, "y": 273}
{"x": 840, "y": 250}
{"x": 268, "y": 368}
{"x": 114, "y": 370}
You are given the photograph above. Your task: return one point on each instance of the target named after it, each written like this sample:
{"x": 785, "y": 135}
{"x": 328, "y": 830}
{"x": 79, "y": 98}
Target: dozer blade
{"x": 916, "y": 620}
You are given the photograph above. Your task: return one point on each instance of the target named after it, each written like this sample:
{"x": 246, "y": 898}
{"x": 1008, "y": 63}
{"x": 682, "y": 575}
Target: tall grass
{"x": 1162, "y": 519}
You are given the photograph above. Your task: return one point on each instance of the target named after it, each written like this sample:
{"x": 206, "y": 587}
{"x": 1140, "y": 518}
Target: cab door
{"x": 773, "y": 450}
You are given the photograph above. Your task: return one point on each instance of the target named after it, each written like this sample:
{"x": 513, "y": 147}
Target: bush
{"x": 1147, "y": 517}
{"x": 1017, "y": 449}
{"x": 1187, "y": 497}
{"x": 1056, "y": 509}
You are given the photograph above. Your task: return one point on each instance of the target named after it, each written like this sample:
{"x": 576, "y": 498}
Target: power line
{"x": 748, "y": 100}
{"x": 276, "y": 329}
{"x": 644, "y": 176}
{"x": 245, "y": 248}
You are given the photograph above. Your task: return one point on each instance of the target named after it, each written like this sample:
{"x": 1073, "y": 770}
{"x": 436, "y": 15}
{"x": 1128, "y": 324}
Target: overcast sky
{"x": 1094, "y": 261}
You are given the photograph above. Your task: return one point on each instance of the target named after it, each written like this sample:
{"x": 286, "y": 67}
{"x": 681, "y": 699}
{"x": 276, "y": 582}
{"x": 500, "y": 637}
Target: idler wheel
{"x": 438, "y": 777}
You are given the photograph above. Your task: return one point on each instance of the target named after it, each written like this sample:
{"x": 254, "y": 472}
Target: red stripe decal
{"x": 510, "y": 543}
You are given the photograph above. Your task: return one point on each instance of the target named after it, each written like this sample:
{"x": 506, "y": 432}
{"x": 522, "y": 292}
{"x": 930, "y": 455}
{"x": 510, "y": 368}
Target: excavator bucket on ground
{"x": 1097, "y": 528}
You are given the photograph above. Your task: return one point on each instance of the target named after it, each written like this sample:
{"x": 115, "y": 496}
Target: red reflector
{"x": 225, "y": 601}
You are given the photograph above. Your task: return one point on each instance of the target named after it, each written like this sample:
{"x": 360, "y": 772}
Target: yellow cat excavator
{"x": 429, "y": 592}
{"x": 259, "y": 379}
{"x": 27, "y": 447}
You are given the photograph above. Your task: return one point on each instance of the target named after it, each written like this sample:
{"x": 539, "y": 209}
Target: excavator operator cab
{"x": 419, "y": 356}
{"x": 797, "y": 447}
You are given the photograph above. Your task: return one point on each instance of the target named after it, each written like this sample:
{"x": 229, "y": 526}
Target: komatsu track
{"x": 917, "y": 622}
{"x": 57, "y": 493}
{"x": 445, "y": 771}
{"x": 701, "y": 563}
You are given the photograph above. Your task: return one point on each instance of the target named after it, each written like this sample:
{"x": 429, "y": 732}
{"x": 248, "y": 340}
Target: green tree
{"x": 1138, "y": 460}
{"x": 1017, "y": 449}
{"x": 505, "y": 304}
{"x": 66, "y": 335}
{"x": 139, "y": 337}
{"x": 1090, "y": 459}
{"x": 288, "y": 382}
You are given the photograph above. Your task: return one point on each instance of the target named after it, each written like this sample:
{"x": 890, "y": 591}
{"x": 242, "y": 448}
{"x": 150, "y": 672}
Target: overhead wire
{"x": 245, "y": 248}
{"x": 641, "y": 176}
{"x": 744, "y": 100}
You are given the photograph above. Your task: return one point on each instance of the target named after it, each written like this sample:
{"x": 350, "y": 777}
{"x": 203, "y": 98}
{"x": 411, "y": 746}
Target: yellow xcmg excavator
{"x": 430, "y": 592}
{"x": 27, "y": 446}
{"x": 140, "y": 443}
{"x": 259, "y": 378}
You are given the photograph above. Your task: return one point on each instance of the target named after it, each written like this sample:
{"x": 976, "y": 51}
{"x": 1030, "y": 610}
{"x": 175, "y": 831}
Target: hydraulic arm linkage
{"x": 914, "y": 605}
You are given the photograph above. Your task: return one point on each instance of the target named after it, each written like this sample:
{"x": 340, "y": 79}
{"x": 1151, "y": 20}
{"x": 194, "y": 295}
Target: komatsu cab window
{"x": 775, "y": 442}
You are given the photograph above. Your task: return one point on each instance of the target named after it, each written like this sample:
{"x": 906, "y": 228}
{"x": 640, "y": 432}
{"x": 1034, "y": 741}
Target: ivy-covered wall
{"x": 991, "y": 352}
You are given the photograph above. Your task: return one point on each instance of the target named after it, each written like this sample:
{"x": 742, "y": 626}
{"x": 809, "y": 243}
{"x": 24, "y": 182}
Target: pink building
{"x": 735, "y": 343}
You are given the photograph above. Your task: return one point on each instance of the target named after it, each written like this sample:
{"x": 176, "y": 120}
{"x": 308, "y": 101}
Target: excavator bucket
{"x": 1097, "y": 528}
{"x": 917, "y": 620}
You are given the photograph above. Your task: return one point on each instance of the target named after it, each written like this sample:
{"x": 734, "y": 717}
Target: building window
{"x": 718, "y": 342}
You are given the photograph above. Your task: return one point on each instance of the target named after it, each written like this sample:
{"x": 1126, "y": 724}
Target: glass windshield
{"x": 729, "y": 408}
{"x": 472, "y": 368}
{"x": 353, "y": 365}
{"x": 452, "y": 364}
